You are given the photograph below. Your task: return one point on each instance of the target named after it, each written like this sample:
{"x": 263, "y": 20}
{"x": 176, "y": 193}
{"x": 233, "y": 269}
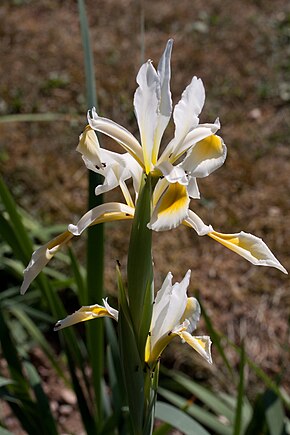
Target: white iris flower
{"x": 194, "y": 152}
{"x": 174, "y": 314}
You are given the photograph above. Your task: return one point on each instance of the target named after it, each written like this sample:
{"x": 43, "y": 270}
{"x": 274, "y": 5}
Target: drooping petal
{"x": 250, "y": 247}
{"x": 89, "y": 146}
{"x": 41, "y": 257}
{"x": 169, "y": 306}
{"x": 205, "y": 157}
{"x": 108, "y": 212}
{"x": 146, "y": 103}
{"x": 171, "y": 208}
{"x": 201, "y": 344}
{"x": 192, "y": 188}
{"x": 165, "y": 102}
{"x": 197, "y": 224}
{"x": 118, "y": 133}
{"x": 87, "y": 313}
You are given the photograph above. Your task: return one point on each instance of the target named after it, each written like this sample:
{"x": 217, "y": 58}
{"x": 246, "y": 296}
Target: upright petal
{"x": 185, "y": 116}
{"x": 170, "y": 304}
{"x": 146, "y": 102}
{"x": 191, "y": 314}
{"x": 250, "y": 247}
{"x": 165, "y": 102}
{"x": 87, "y": 313}
{"x": 89, "y": 146}
{"x": 118, "y": 133}
{"x": 41, "y": 257}
{"x": 171, "y": 208}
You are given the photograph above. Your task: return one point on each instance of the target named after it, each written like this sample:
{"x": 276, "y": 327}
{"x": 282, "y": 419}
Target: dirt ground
{"x": 241, "y": 50}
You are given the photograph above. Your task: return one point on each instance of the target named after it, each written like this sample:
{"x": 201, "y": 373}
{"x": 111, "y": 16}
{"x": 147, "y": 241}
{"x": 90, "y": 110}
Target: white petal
{"x": 41, "y": 257}
{"x": 118, "y": 133}
{"x": 165, "y": 102}
{"x": 201, "y": 344}
{"x": 250, "y": 247}
{"x": 173, "y": 174}
{"x": 205, "y": 157}
{"x": 197, "y": 224}
{"x": 192, "y": 188}
{"x": 89, "y": 146}
{"x": 114, "y": 313}
{"x": 191, "y": 314}
{"x": 146, "y": 102}
{"x": 102, "y": 213}
{"x": 170, "y": 304}
{"x": 171, "y": 208}
{"x": 86, "y": 313}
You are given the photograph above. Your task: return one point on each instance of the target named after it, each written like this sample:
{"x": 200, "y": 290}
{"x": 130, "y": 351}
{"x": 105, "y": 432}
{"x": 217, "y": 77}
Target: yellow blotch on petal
{"x": 82, "y": 315}
{"x": 174, "y": 199}
{"x": 209, "y": 147}
{"x": 89, "y": 145}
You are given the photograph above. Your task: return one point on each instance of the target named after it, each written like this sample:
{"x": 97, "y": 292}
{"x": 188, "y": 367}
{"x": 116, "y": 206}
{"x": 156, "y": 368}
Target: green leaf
{"x": 239, "y": 407}
{"x": 38, "y": 117}
{"x": 275, "y": 414}
{"x": 178, "y": 419}
{"x": 5, "y": 381}
{"x": 4, "y": 431}
{"x": 198, "y": 412}
{"x": 42, "y": 402}
{"x": 205, "y": 395}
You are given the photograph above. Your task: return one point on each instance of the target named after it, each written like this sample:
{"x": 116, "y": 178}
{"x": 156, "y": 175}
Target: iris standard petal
{"x": 205, "y": 157}
{"x": 171, "y": 208}
{"x": 87, "y": 313}
{"x": 201, "y": 344}
{"x": 165, "y": 102}
{"x": 41, "y": 257}
{"x": 191, "y": 314}
{"x": 173, "y": 174}
{"x": 118, "y": 133}
{"x": 250, "y": 247}
{"x": 146, "y": 103}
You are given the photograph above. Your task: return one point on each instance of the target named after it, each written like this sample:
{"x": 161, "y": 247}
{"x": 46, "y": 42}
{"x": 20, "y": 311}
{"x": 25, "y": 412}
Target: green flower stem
{"x": 136, "y": 306}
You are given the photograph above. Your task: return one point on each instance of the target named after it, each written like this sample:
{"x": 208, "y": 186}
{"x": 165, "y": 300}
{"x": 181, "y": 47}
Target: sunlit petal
{"x": 205, "y": 157}
{"x": 108, "y": 212}
{"x": 171, "y": 208}
{"x": 170, "y": 304}
{"x": 192, "y": 188}
{"x": 191, "y": 313}
{"x": 118, "y": 133}
{"x": 201, "y": 344}
{"x": 250, "y": 247}
{"x": 89, "y": 146}
{"x": 146, "y": 102}
{"x": 87, "y": 313}
{"x": 41, "y": 257}
{"x": 197, "y": 224}
{"x": 173, "y": 174}
{"x": 165, "y": 102}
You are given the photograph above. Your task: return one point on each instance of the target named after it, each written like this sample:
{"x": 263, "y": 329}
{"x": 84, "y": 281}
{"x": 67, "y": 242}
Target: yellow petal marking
{"x": 82, "y": 315}
{"x": 174, "y": 199}
{"x": 89, "y": 146}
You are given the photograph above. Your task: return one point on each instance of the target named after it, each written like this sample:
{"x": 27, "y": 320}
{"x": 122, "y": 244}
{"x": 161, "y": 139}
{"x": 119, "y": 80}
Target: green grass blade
{"x": 202, "y": 415}
{"x": 42, "y": 402}
{"x": 79, "y": 278}
{"x": 178, "y": 419}
{"x": 275, "y": 415}
{"x": 4, "y": 431}
{"x": 205, "y": 395}
{"x": 95, "y": 244}
{"x": 239, "y": 407}
{"x": 38, "y": 117}
{"x": 216, "y": 339}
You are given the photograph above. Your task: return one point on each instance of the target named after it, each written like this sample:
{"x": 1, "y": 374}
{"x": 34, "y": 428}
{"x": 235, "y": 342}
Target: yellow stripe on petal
{"x": 171, "y": 209}
{"x": 89, "y": 146}
{"x": 250, "y": 247}
{"x": 201, "y": 344}
{"x": 82, "y": 315}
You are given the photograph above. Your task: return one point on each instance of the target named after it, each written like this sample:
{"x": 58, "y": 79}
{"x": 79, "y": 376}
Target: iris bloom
{"x": 174, "y": 314}
{"x": 194, "y": 152}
